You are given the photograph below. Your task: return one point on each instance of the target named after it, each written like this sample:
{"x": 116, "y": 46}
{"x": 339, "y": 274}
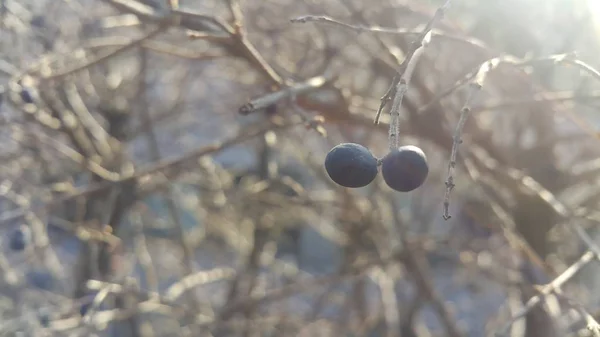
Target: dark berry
{"x": 26, "y": 96}
{"x": 20, "y": 238}
{"x": 351, "y": 165}
{"x": 405, "y": 168}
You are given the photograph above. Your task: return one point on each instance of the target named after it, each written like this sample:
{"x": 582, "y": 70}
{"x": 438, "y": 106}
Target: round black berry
{"x": 26, "y": 96}
{"x": 20, "y": 238}
{"x": 405, "y": 168}
{"x": 351, "y": 165}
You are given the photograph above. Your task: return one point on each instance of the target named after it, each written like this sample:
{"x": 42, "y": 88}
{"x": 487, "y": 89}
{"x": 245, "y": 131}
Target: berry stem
{"x": 401, "y": 81}
{"x": 401, "y": 89}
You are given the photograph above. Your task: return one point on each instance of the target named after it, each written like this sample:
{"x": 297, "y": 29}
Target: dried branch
{"x": 548, "y": 289}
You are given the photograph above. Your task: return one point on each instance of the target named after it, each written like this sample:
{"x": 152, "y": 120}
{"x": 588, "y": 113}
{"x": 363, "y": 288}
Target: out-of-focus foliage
{"x": 160, "y": 203}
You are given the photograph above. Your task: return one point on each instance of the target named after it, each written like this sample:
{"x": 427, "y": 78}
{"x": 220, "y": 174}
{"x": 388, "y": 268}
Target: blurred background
{"x": 162, "y": 169}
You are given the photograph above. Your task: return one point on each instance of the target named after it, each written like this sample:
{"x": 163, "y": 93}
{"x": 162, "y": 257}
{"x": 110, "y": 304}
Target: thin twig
{"x": 385, "y": 30}
{"x": 521, "y": 180}
{"x": 476, "y": 86}
{"x": 417, "y": 265}
{"x": 233, "y": 39}
{"x": 401, "y": 90}
{"x": 154, "y": 150}
{"x": 423, "y": 38}
{"x": 542, "y": 97}
{"x": 274, "y": 97}
{"x": 108, "y": 55}
{"x": 149, "y": 171}
{"x": 547, "y": 290}
{"x": 142, "y": 253}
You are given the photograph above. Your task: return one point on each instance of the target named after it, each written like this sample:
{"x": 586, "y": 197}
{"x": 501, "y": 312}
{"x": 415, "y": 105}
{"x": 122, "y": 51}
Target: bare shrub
{"x": 162, "y": 167}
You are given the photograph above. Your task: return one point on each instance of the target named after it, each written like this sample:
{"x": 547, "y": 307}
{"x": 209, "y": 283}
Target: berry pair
{"x": 353, "y": 165}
